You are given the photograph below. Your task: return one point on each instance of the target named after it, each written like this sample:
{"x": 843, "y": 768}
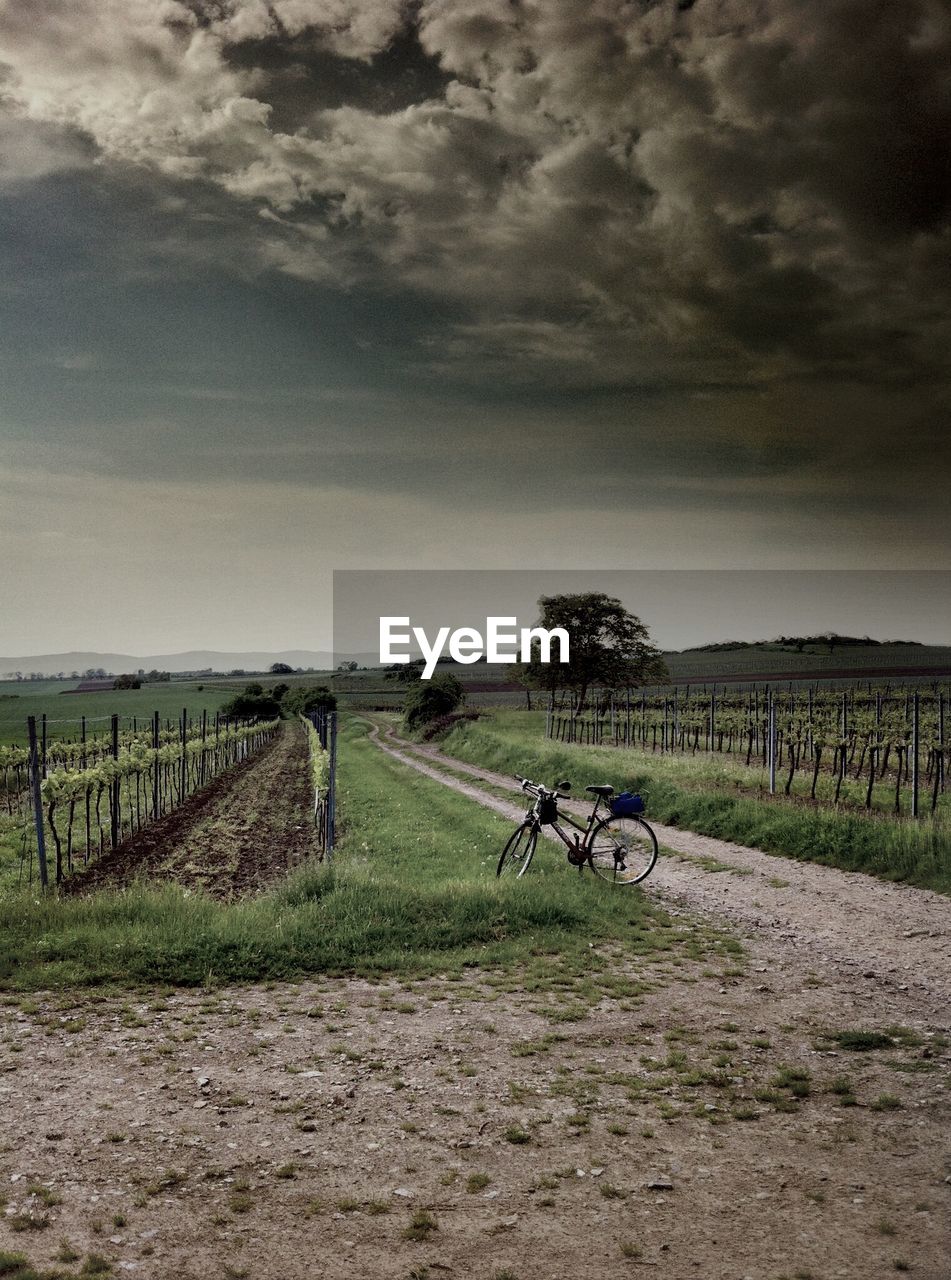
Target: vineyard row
{"x": 85, "y": 810}
{"x": 878, "y": 738}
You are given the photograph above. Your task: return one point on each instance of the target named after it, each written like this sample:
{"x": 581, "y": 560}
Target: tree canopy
{"x": 609, "y": 647}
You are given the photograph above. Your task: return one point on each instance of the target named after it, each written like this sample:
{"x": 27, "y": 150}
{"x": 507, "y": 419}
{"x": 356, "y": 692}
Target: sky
{"x": 309, "y": 285}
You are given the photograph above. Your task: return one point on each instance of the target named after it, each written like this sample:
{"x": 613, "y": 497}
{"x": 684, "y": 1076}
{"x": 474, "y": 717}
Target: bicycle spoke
{"x": 623, "y": 850}
{"x": 518, "y": 852}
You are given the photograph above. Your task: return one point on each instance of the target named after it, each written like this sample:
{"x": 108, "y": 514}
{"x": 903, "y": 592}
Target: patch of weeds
{"x": 619, "y": 1130}
{"x": 66, "y": 1253}
{"x": 477, "y": 1182}
{"x": 610, "y": 1192}
{"x": 241, "y": 1200}
{"x": 169, "y": 1181}
{"x": 767, "y": 1095}
{"x": 96, "y": 1265}
{"x": 518, "y": 1137}
{"x": 286, "y": 1171}
{"x": 630, "y": 1250}
{"x": 862, "y": 1041}
{"x": 886, "y": 1102}
{"x": 420, "y": 1227}
{"x": 21, "y": 1222}
{"x": 46, "y": 1195}
{"x": 885, "y": 1227}
{"x": 521, "y": 1092}
{"x": 794, "y": 1079}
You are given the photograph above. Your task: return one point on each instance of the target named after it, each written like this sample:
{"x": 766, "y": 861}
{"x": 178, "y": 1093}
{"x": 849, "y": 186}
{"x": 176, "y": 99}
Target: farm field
{"x": 773, "y": 661}
{"x": 64, "y": 711}
{"x": 421, "y": 1067}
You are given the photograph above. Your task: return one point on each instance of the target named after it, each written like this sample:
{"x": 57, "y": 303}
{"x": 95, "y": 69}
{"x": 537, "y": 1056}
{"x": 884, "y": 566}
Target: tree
{"x": 431, "y": 699}
{"x": 281, "y": 669}
{"x": 127, "y": 682}
{"x": 304, "y": 700}
{"x": 254, "y": 703}
{"x": 608, "y": 647}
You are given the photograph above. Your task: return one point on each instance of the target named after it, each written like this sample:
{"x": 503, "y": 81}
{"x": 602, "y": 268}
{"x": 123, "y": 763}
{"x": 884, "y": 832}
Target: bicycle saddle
{"x": 601, "y": 791}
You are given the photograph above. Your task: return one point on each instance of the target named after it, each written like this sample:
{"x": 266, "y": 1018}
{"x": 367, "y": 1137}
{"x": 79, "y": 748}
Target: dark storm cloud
{"x": 649, "y": 188}
{"x": 698, "y": 250}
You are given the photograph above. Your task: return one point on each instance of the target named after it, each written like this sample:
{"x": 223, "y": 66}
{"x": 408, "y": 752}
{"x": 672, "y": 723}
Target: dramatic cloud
{"x": 718, "y": 189}
{"x": 288, "y": 284}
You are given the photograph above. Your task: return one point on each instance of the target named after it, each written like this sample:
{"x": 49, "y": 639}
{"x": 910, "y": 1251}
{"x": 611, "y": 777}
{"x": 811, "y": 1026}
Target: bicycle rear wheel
{"x": 518, "y": 851}
{"x": 622, "y": 850}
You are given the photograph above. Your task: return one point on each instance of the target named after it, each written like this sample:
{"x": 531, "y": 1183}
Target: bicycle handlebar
{"x": 534, "y": 788}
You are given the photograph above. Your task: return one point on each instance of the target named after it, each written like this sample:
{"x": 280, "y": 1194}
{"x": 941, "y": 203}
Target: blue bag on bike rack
{"x": 626, "y": 805}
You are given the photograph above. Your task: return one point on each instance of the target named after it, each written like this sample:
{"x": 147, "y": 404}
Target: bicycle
{"x": 619, "y": 847}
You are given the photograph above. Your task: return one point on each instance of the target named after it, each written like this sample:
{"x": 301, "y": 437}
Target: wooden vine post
{"x": 184, "y": 784}
{"x": 114, "y": 789}
{"x": 36, "y": 782}
{"x": 156, "y": 739}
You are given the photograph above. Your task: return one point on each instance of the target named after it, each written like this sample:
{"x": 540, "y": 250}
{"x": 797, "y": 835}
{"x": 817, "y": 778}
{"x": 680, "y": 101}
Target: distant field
{"x": 775, "y": 659}
{"x": 64, "y": 710}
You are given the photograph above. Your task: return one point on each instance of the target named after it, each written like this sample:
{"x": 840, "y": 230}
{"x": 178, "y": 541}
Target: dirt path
{"x": 235, "y": 836}
{"x": 705, "y": 1119}
{"x": 875, "y": 935}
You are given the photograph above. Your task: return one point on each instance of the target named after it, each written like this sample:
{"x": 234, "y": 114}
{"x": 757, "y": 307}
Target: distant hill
{"x": 50, "y": 664}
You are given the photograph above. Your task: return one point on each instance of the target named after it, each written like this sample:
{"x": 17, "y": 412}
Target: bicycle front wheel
{"x": 622, "y": 850}
{"x": 518, "y": 851}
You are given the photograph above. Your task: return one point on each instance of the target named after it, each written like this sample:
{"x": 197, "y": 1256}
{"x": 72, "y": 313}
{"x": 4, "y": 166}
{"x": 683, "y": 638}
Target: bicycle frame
{"x": 575, "y": 845}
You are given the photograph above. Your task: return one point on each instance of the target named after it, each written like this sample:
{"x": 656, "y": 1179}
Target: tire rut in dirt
{"x": 234, "y": 837}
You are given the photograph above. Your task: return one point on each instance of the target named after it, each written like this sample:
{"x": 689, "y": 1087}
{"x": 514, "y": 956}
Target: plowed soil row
{"x": 235, "y": 836}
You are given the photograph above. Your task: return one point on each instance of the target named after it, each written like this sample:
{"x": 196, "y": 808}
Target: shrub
{"x": 303, "y": 700}
{"x": 254, "y": 702}
{"x": 431, "y": 699}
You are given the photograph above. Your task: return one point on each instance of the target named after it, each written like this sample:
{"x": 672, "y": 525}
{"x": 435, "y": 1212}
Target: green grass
{"x": 412, "y": 890}
{"x": 676, "y": 792}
